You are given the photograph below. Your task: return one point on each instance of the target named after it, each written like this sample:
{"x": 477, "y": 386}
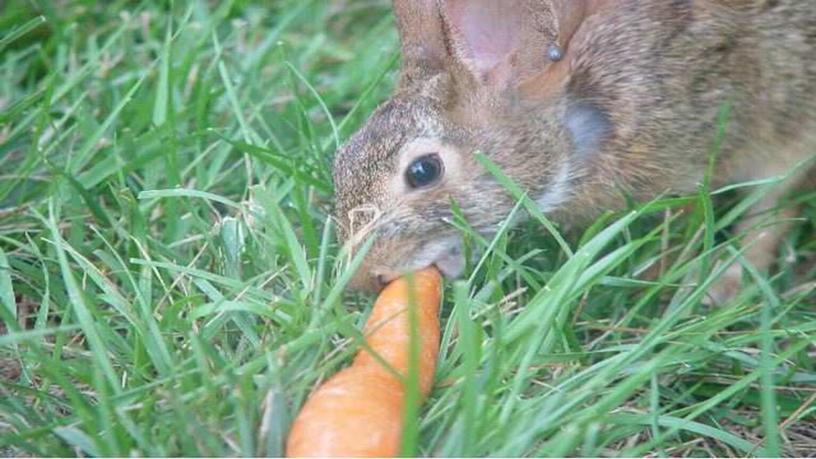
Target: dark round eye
{"x": 424, "y": 171}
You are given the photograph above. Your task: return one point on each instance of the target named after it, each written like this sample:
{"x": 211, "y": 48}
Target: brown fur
{"x": 654, "y": 74}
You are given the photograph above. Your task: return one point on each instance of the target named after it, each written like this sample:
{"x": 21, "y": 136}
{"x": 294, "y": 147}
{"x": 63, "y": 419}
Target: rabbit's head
{"x": 465, "y": 87}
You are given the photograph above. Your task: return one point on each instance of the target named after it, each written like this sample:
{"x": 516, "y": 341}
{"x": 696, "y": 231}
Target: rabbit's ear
{"x": 420, "y": 30}
{"x": 501, "y": 43}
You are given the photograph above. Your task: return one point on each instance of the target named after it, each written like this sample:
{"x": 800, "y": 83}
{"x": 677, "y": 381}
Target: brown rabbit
{"x": 581, "y": 102}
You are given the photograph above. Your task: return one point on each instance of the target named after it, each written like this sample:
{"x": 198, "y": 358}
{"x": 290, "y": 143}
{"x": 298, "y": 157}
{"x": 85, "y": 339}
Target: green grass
{"x": 170, "y": 283}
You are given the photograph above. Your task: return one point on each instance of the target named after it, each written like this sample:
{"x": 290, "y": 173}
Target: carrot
{"x": 358, "y": 412}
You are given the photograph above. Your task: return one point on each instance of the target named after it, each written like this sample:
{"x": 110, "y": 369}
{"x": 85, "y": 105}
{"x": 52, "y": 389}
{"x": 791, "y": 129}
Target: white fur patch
{"x": 558, "y": 192}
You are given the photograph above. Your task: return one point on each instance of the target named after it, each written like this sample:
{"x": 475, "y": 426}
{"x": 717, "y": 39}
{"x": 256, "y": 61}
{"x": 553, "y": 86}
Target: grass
{"x": 170, "y": 282}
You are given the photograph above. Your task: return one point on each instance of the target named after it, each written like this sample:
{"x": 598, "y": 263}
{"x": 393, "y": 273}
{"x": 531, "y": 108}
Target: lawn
{"x": 171, "y": 284}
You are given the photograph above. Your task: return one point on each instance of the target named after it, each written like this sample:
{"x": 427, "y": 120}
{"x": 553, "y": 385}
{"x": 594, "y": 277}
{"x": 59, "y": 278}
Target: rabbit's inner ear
{"x": 486, "y": 32}
{"x": 488, "y": 38}
{"x": 588, "y": 126}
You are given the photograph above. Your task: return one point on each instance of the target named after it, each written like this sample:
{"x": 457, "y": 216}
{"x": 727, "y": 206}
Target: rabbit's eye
{"x": 424, "y": 171}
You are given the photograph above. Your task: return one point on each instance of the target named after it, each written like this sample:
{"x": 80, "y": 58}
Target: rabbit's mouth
{"x": 445, "y": 254}
{"x": 448, "y": 257}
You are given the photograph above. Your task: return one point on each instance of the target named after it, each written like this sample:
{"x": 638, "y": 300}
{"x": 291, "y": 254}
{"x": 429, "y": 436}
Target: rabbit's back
{"x": 669, "y": 75}
{"x": 786, "y": 57}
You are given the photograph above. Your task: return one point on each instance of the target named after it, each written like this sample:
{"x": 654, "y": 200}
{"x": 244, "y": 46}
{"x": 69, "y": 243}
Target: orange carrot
{"x": 358, "y": 412}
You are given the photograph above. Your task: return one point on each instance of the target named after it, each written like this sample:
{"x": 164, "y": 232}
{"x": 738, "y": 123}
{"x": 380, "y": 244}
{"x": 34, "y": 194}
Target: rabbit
{"x": 583, "y": 103}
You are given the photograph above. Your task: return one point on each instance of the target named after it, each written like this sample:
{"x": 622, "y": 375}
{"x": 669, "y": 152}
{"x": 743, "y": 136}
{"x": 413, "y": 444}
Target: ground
{"x": 170, "y": 282}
